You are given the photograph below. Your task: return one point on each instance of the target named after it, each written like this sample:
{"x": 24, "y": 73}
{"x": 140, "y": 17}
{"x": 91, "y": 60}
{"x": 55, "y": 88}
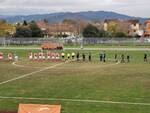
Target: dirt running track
{"x": 8, "y": 111}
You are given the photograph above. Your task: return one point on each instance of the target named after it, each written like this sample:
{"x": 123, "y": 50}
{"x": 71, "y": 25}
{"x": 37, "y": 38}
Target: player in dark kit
{"x": 122, "y": 58}
{"x": 116, "y": 60}
{"x": 145, "y": 57}
{"x": 83, "y": 56}
{"x": 104, "y": 57}
{"x": 90, "y": 57}
{"x": 78, "y": 55}
{"x": 128, "y": 58}
{"x": 101, "y": 57}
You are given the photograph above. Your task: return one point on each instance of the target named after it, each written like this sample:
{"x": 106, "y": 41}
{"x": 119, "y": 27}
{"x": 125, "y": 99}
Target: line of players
{"x": 55, "y": 56}
{"x": 121, "y": 58}
{"x": 128, "y": 57}
{"x": 102, "y": 57}
{"x": 9, "y": 57}
{"x": 44, "y": 56}
{"x": 63, "y": 56}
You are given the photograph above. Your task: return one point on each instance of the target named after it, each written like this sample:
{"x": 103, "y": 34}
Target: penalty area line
{"x": 76, "y": 100}
{"x": 34, "y": 72}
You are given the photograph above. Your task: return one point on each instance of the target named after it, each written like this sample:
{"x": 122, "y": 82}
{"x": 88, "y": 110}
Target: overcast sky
{"x": 139, "y": 8}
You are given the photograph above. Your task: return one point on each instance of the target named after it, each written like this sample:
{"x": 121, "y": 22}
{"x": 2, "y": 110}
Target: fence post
{"x": 82, "y": 42}
{"x": 4, "y": 42}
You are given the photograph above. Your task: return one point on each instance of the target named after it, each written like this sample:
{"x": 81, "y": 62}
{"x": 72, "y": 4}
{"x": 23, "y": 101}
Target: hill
{"x": 58, "y": 17}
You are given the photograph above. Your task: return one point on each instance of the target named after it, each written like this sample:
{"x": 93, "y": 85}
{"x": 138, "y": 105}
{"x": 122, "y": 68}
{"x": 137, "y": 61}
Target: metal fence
{"x": 84, "y": 41}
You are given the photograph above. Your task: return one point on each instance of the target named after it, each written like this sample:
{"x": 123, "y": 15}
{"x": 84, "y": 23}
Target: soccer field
{"x": 80, "y": 87}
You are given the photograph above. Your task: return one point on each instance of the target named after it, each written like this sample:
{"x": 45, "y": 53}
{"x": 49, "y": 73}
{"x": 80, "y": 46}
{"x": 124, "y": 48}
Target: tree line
{"x": 31, "y": 29}
{"x": 91, "y": 31}
{"x": 28, "y": 30}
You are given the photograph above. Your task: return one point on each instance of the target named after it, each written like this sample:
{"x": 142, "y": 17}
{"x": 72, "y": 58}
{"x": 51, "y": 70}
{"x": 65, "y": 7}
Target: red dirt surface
{"x": 8, "y": 111}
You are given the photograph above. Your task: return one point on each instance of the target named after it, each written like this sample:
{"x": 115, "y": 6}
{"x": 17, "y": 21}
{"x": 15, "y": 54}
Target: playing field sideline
{"x": 87, "y": 87}
{"x": 86, "y": 49}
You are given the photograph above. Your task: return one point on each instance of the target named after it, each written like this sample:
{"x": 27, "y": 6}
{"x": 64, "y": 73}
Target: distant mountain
{"x": 58, "y": 17}
{"x": 3, "y": 16}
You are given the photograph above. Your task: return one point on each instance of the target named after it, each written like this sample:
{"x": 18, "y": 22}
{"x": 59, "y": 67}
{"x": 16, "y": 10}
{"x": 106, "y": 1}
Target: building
{"x": 58, "y": 29}
{"x": 98, "y": 24}
{"x": 147, "y": 28}
{"x": 43, "y": 26}
{"x": 7, "y": 29}
{"x": 129, "y": 27}
{"x": 62, "y": 29}
{"x": 135, "y": 28}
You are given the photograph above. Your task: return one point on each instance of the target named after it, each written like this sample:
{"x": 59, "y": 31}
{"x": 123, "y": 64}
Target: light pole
{"x": 80, "y": 36}
{"x": 4, "y": 42}
{"x": 81, "y": 41}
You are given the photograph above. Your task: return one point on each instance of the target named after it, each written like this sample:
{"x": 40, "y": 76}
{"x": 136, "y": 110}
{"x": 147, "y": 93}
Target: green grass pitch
{"x": 127, "y": 82}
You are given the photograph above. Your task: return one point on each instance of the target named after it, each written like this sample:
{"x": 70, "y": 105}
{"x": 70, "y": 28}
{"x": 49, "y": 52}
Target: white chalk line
{"x": 34, "y": 72}
{"x": 23, "y": 66}
{"x": 111, "y": 64}
{"x": 77, "y": 100}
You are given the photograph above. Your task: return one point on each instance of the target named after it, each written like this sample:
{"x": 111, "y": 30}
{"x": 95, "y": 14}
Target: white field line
{"x": 111, "y": 64}
{"x": 77, "y": 100}
{"x": 34, "y": 72}
{"x": 23, "y": 66}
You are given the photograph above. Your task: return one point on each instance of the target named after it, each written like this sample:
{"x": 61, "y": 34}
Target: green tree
{"x": 46, "y": 21}
{"x": 92, "y": 31}
{"x": 25, "y": 23}
{"x": 2, "y": 21}
{"x": 30, "y": 30}
{"x": 23, "y": 32}
{"x": 6, "y": 29}
{"x": 69, "y": 21}
{"x": 120, "y": 34}
{"x": 112, "y": 29}
{"x": 36, "y": 31}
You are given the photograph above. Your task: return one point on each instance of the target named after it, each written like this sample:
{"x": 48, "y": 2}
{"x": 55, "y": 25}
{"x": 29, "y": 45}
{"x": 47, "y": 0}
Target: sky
{"x": 139, "y": 8}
